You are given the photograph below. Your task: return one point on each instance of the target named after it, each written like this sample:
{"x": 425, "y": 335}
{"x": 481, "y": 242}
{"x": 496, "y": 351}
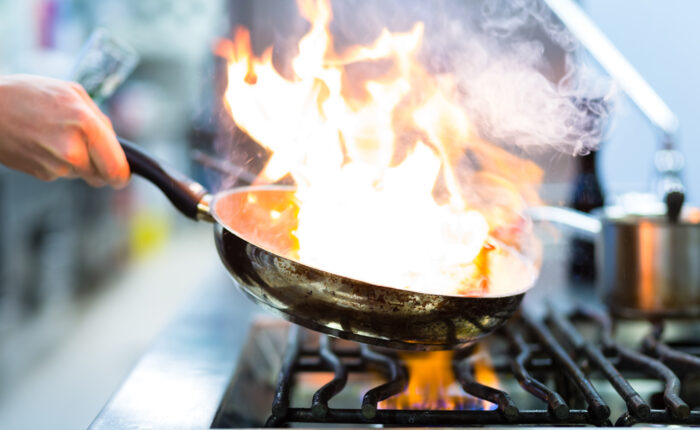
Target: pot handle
{"x": 577, "y": 221}
{"x": 188, "y": 196}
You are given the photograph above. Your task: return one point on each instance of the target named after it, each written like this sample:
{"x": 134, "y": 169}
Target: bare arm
{"x": 51, "y": 128}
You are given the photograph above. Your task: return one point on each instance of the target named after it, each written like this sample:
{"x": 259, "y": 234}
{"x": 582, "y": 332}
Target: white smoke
{"x": 522, "y": 75}
{"x": 524, "y": 79}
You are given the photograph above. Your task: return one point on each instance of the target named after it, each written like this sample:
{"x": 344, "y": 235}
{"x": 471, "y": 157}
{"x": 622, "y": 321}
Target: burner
{"x": 580, "y": 368}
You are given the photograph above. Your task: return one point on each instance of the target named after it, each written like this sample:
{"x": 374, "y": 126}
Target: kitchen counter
{"x": 179, "y": 382}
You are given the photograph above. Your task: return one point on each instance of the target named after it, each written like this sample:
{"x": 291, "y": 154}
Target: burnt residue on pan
{"x": 357, "y": 310}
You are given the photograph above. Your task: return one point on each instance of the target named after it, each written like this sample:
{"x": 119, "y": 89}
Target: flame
{"x": 432, "y": 384}
{"x": 484, "y": 373}
{"x": 372, "y": 142}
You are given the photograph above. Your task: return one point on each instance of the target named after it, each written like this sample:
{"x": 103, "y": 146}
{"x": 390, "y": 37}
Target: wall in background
{"x": 662, "y": 40}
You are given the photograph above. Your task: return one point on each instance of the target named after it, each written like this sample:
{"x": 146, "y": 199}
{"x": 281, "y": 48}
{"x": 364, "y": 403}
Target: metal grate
{"x": 540, "y": 353}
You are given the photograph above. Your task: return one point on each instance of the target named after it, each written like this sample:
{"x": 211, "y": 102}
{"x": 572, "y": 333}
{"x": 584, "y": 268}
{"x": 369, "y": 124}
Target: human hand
{"x": 51, "y": 128}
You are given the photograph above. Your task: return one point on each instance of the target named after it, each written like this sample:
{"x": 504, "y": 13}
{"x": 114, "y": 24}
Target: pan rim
{"x": 238, "y": 190}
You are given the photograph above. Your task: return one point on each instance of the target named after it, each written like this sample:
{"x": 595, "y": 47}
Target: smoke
{"x": 513, "y": 85}
{"x": 521, "y": 75}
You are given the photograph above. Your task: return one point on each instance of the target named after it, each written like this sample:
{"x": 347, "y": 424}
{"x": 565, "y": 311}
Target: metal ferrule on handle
{"x": 188, "y": 196}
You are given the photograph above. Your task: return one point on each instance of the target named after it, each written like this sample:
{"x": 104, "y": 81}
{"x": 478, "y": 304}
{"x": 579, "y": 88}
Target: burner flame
{"x": 432, "y": 384}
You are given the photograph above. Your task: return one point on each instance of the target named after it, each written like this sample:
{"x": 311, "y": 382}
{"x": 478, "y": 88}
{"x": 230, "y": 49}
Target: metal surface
{"x": 578, "y": 222}
{"x": 204, "y": 208}
{"x": 180, "y": 381}
{"x": 200, "y": 373}
{"x": 196, "y": 375}
{"x": 341, "y": 306}
{"x": 681, "y": 362}
{"x": 556, "y": 349}
{"x": 596, "y": 405}
{"x": 464, "y": 370}
{"x": 647, "y": 265}
{"x": 631, "y": 359}
{"x": 397, "y": 381}
{"x": 634, "y": 401}
{"x": 523, "y": 356}
{"x": 651, "y": 267}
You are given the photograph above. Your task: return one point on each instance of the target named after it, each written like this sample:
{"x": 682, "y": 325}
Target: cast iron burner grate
{"x": 562, "y": 360}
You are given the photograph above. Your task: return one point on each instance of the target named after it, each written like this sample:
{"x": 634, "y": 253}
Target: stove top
{"x": 222, "y": 364}
{"x": 561, "y": 370}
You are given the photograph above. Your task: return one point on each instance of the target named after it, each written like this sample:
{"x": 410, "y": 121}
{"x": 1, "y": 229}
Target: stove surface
{"x": 216, "y": 366}
{"x": 547, "y": 374}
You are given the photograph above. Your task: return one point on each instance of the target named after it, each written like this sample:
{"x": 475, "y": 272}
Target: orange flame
{"x": 432, "y": 383}
{"x": 484, "y": 373}
{"x": 372, "y": 142}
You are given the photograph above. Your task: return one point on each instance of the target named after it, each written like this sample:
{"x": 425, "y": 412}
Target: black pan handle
{"x": 188, "y": 196}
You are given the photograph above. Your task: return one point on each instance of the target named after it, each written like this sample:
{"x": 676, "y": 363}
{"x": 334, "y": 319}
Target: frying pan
{"x": 251, "y": 244}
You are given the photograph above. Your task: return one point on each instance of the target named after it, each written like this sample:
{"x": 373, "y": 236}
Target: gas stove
{"x": 562, "y": 361}
{"x": 545, "y": 372}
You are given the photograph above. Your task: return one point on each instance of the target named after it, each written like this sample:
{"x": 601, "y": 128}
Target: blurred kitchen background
{"x": 88, "y": 277}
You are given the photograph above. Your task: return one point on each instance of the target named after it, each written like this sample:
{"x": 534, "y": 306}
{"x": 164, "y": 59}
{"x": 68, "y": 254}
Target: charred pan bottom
{"x": 356, "y": 310}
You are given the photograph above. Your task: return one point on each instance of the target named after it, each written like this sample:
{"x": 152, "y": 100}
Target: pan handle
{"x": 577, "y": 221}
{"x": 188, "y": 196}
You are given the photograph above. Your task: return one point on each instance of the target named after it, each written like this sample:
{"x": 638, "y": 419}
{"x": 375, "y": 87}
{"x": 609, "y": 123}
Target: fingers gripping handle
{"x": 188, "y": 196}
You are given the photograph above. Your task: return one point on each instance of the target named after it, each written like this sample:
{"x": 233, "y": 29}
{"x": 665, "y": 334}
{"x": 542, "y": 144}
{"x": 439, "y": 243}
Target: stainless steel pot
{"x": 647, "y": 265}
